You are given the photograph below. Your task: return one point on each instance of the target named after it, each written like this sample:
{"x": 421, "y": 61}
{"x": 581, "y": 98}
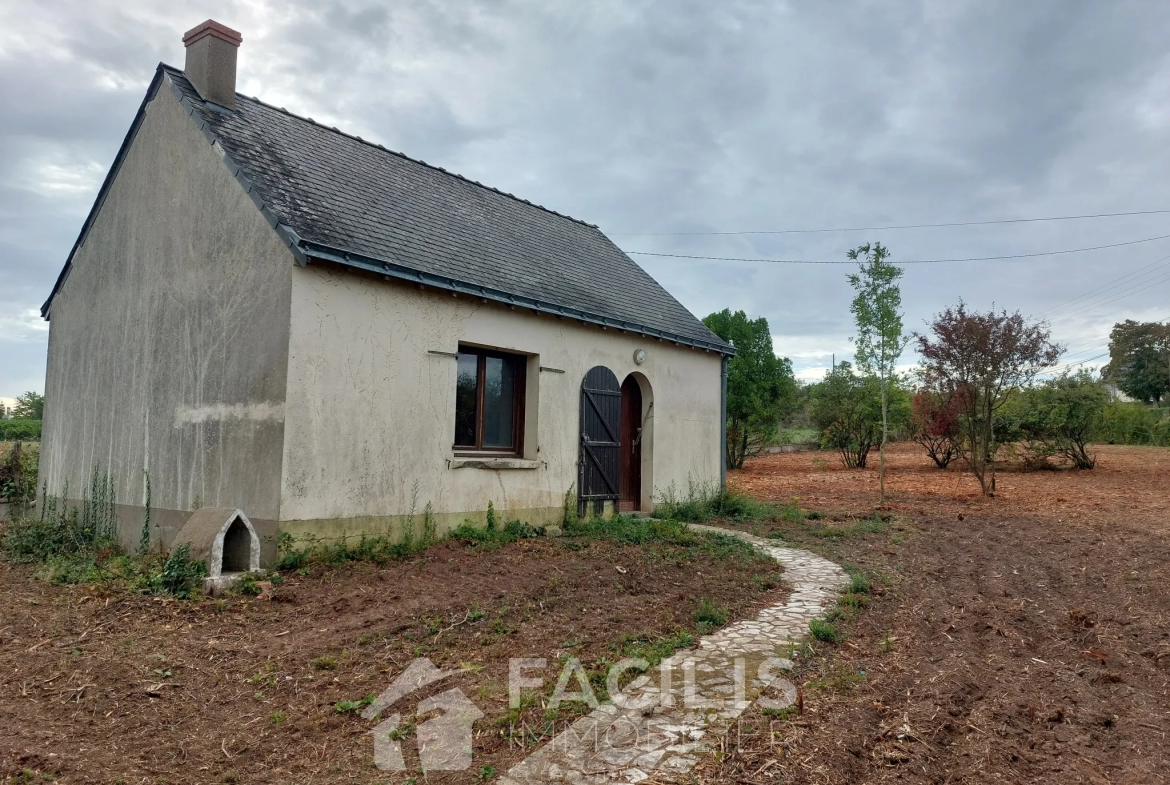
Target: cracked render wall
{"x": 370, "y": 415}
{"x": 168, "y": 342}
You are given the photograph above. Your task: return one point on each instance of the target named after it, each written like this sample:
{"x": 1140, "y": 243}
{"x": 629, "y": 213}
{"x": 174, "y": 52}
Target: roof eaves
{"x": 403, "y": 273}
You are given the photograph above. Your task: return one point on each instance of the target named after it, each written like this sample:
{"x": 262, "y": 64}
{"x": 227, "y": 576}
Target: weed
{"x": 886, "y": 645}
{"x": 344, "y": 707}
{"x": 784, "y": 714}
{"x": 858, "y": 583}
{"x": 326, "y": 662}
{"x": 495, "y": 537}
{"x": 278, "y": 717}
{"x": 710, "y": 614}
{"x": 248, "y": 585}
{"x": 825, "y": 631}
{"x": 486, "y": 773}
{"x": 840, "y": 678}
{"x": 180, "y": 574}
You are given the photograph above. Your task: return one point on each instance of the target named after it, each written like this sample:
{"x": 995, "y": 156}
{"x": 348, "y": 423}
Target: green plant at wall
{"x": 430, "y": 528}
{"x": 570, "y": 516}
{"x": 492, "y": 523}
{"x": 144, "y": 540}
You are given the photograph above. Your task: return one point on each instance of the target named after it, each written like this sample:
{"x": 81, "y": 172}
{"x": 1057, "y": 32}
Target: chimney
{"x": 211, "y": 61}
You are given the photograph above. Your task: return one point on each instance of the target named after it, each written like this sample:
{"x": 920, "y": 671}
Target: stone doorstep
{"x": 214, "y": 587}
{"x": 669, "y": 737}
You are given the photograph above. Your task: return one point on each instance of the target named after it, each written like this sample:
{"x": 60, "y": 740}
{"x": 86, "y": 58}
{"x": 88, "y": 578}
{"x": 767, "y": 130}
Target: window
{"x": 489, "y": 401}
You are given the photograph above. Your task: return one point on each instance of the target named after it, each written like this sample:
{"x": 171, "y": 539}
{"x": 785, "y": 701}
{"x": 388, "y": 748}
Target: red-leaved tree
{"x": 935, "y": 425}
{"x": 981, "y": 358}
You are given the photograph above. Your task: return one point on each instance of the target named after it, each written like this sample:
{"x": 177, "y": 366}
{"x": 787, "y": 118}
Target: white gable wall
{"x": 370, "y": 414}
{"x": 168, "y": 340}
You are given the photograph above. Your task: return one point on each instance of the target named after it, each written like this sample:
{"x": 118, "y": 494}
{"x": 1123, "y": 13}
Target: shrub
{"x": 20, "y": 430}
{"x": 847, "y": 408}
{"x": 18, "y": 472}
{"x": 825, "y": 631}
{"x": 1055, "y": 419}
{"x": 1133, "y": 423}
{"x": 935, "y": 425}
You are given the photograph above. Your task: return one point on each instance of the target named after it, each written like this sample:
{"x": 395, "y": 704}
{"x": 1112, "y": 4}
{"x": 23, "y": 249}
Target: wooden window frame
{"x": 519, "y": 364}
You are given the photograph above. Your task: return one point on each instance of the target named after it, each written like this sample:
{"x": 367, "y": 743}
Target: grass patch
{"x": 706, "y": 501}
{"x": 863, "y": 526}
{"x": 645, "y": 531}
{"x": 653, "y": 650}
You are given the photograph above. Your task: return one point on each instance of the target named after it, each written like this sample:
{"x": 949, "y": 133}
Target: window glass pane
{"x": 498, "y": 402}
{"x": 465, "y": 399}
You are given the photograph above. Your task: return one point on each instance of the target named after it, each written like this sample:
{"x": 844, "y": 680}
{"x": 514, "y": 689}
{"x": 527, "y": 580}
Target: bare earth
{"x": 1024, "y": 638}
{"x": 100, "y": 688}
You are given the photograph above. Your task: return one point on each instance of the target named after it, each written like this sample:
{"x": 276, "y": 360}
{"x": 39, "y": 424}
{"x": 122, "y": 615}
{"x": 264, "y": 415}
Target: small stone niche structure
{"x": 224, "y": 539}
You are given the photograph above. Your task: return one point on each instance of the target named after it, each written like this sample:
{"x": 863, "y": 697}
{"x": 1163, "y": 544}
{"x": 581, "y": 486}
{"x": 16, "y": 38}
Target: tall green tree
{"x": 761, "y": 389}
{"x": 30, "y": 406}
{"x": 877, "y": 309}
{"x": 1139, "y": 360}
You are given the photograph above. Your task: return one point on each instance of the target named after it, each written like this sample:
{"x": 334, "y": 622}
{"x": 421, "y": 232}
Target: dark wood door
{"x": 601, "y": 400}
{"x": 630, "y": 458}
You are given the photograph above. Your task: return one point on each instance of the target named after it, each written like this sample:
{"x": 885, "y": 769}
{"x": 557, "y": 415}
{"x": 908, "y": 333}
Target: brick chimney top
{"x": 211, "y": 61}
{"x": 212, "y": 27}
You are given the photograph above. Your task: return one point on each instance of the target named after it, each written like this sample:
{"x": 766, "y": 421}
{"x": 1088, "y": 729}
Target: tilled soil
{"x": 1024, "y": 638}
{"x": 105, "y": 687}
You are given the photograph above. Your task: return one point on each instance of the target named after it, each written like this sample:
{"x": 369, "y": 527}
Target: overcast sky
{"x": 671, "y": 117}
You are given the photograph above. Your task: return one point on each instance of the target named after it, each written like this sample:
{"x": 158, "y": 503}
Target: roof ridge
{"x": 403, "y": 156}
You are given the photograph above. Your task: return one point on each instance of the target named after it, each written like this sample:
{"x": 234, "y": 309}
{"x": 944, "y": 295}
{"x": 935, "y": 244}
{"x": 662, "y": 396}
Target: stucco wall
{"x": 370, "y": 414}
{"x": 168, "y": 342}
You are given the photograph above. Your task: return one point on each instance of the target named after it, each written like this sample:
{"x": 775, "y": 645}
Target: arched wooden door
{"x": 630, "y": 457}
{"x": 601, "y": 400}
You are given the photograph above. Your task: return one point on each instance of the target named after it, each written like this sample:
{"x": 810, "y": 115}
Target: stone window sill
{"x": 489, "y": 462}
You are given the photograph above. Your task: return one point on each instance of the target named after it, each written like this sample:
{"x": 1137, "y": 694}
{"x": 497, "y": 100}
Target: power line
{"x": 889, "y": 228}
{"x": 1106, "y": 287}
{"x": 1119, "y": 296}
{"x": 909, "y": 261}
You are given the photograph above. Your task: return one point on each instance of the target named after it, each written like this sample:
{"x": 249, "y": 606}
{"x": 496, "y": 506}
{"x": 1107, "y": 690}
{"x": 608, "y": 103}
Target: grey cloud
{"x": 680, "y": 116}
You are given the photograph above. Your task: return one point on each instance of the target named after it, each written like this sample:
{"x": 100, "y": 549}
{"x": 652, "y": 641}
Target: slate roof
{"x": 336, "y": 197}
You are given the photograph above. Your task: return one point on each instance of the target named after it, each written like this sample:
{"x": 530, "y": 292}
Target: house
{"x": 265, "y": 314}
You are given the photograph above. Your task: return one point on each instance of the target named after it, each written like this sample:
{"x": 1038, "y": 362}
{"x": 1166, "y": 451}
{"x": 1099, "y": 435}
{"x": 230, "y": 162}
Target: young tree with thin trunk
{"x": 879, "y": 343}
{"x": 980, "y": 359}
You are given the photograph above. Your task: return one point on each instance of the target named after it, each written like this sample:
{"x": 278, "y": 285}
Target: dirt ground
{"x": 116, "y": 687}
{"x": 1023, "y": 638}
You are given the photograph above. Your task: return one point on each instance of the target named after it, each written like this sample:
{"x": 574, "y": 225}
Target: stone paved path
{"x": 665, "y": 716}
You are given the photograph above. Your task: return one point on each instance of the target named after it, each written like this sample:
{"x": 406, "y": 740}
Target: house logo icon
{"x": 444, "y": 741}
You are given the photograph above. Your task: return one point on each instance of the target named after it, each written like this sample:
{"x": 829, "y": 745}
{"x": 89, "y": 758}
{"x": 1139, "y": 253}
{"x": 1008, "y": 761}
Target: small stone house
{"x": 265, "y": 314}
